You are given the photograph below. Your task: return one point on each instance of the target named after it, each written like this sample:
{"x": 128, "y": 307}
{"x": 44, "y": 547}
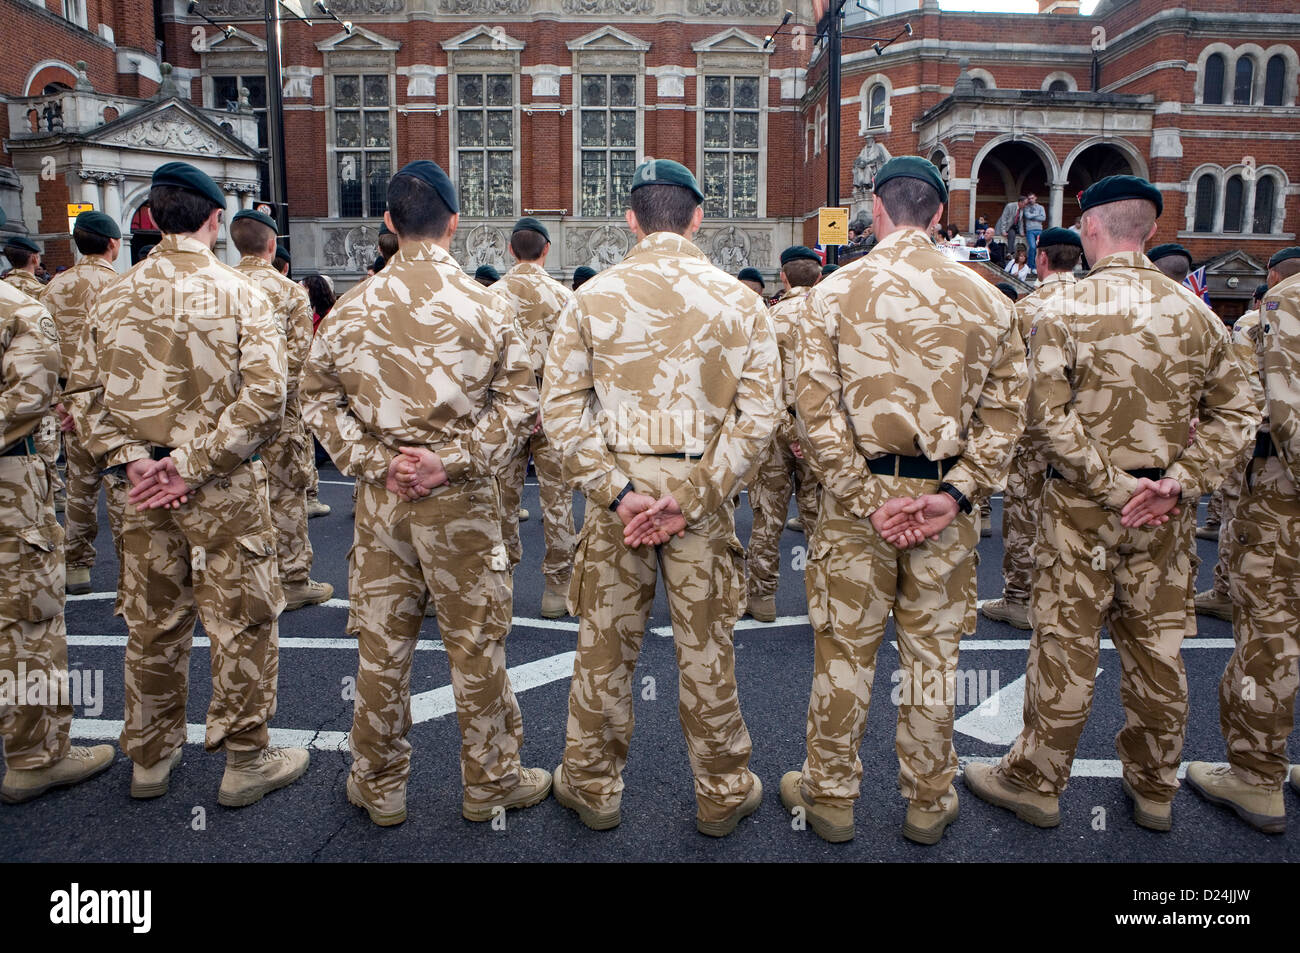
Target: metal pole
{"x": 833, "y": 51}
{"x": 275, "y": 121}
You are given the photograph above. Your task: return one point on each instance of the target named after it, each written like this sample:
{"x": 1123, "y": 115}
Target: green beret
{"x": 1286, "y": 254}
{"x": 97, "y": 223}
{"x": 144, "y": 252}
{"x": 1007, "y": 289}
{"x": 488, "y": 272}
{"x": 530, "y": 224}
{"x": 260, "y": 217}
{"x": 1117, "y": 188}
{"x": 583, "y": 273}
{"x": 1163, "y": 251}
{"x": 182, "y": 175}
{"x": 431, "y": 174}
{"x": 751, "y": 274}
{"x": 799, "y": 253}
{"x": 912, "y": 167}
{"x": 1260, "y": 290}
{"x": 282, "y": 252}
{"x": 1060, "y": 236}
{"x": 828, "y": 268}
{"x": 666, "y": 172}
{"x": 23, "y": 242}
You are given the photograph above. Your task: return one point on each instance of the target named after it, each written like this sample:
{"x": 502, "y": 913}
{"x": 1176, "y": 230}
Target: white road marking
{"x": 101, "y": 641}
{"x": 1083, "y": 767}
{"x": 337, "y": 482}
{"x": 440, "y": 701}
{"x": 782, "y": 621}
{"x": 998, "y": 719}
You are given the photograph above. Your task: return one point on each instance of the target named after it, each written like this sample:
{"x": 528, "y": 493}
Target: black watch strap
{"x": 963, "y": 504}
{"x": 622, "y": 493}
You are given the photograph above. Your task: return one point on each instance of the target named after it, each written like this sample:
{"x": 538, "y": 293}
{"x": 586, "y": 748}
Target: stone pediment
{"x": 360, "y": 40}
{"x": 732, "y": 40}
{"x": 609, "y": 38}
{"x": 1235, "y": 262}
{"x": 172, "y": 126}
{"x": 482, "y": 38}
{"x": 236, "y": 42}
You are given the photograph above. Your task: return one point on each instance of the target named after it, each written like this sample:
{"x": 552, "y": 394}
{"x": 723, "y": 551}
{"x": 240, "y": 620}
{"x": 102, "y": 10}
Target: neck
{"x": 1107, "y": 247}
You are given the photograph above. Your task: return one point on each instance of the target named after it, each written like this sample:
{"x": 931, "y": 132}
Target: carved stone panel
{"x": 598, "y": 247}
{"x": 732, "y": 248}
{"x": 481, "y": 245}
{"x": 168, "y": 135}
{"x": 485, "y": 7}
{"x": 607, "y": 7}
{"x": 733, "y": 8}
{"x": 350, "y": 249}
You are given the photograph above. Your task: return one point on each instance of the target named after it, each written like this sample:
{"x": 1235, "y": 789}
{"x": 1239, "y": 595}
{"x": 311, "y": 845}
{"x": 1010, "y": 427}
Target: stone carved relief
{"x": 485, "y": 7}
{"x": 732, "y": 248}
{"x": 350, "y": 249}
{"x": 733, "y": 8}
{"x": 221, "y": 9}
{"x": 607, "y": 7}
{"x": 598, "y": 247}
{"x": 483, "y": 245}
{"x": 168, "y": 135}
{"x": 373, "y": 7}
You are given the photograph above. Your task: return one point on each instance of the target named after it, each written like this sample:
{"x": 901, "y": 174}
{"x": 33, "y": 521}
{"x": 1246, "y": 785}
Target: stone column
{"x": 233, "y": 197}
{"x": 1058, "y": 201}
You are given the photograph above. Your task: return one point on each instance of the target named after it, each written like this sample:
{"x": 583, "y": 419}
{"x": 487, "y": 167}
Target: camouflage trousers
{"x": 1228, "y": 495}
{"x": 447, "y": 547}
{"x": 855, "y": 580}
{"x": 286, "y": 455}
{"x": 557, "y": 508}
{"x": 1025, "y": 481}
{"x": 211, "y": 560}
{"x": 611, "y": 593}
{"x": 33, "y": 640}
{"x": 1258, "y": 690}
{"x": 1091, "y": 572}
{"x": 778, "y": 474}
{"x": 81, "y": 511}
{"x": 309, "y": 467}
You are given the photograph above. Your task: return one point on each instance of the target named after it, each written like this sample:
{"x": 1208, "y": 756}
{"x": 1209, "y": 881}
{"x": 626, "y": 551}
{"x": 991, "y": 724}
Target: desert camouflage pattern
{"x": 536, "y": 299}
{"x": 1119, "y": 365}
{"x": 32, "y": 633}
{"x": 69, "y": 297}
{"x": 425, "y": 356}
{"x": 904, "y": 352}
{"x": 25, "y": 282}
{"x": 661, "y": 354}
{"x": 1027, "y": 472}
{"x": 1258, "y": 690}
{"x": 285, "y": 453}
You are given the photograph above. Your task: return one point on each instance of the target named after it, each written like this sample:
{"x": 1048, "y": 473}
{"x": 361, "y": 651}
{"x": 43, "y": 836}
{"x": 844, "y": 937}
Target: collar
{"x": 427, "y": 250}
{"x": 1058, "y": 278}
{"x": 183, "y": 244}
{"x": 525, "y": 268}
{"x": 907, "y": 235}
{"x": 1125, "y": 259}
{"x": 798, "y": 291}
{"x": 665, "y": 243}
{"x": 96, "y": 261}
{"x": 256, "y": 261}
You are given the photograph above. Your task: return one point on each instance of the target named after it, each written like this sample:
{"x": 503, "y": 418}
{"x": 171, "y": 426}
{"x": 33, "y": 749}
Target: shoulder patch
{"x": 49, "y": 329}
{"x": 1271, "y": 305}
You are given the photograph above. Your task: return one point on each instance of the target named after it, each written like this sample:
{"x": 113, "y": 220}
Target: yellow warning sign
{"x": 75, "y": 209}
{"x": 832, "y": 226}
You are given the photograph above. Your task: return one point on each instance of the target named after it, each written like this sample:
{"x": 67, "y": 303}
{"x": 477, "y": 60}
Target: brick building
{"x": 545, "y": 106}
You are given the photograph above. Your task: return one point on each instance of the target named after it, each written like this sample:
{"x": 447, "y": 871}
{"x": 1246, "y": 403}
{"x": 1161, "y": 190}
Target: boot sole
{"x": 245, "y": 798}
{"x": 1152, "y": 822}
{"x": 930, "y": 835}
{"x": 998, "y": 617}
{"x": 143, "y": 791}
{"x": 554, "y": 614}
{"x": 10, "y": 796}
{"x": 312, "y": 601}
{"x": 1215, "y": 613}
{"x": 728, "y": 824}
{"x": 1036, "y": 816}
{"x": 596, "y": 820}
{"x": 1203, "y": 533}
{"x": 77, "y": 589}
{"x": 832, "y": 833}
{"x": 1266, "y": 823}
{"x": 486, "y": 812}
{"x": 378, "y": 817}
{"x": 764, "y": 617}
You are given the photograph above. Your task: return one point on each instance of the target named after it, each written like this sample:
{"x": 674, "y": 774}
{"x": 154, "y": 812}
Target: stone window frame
{"x": 1221, "y": 175}
{"x": 865, "y": 91}
{"x": 1261, "y": 55}
{"x": 1072, "y": 84}
{"x": 735, "y": 53}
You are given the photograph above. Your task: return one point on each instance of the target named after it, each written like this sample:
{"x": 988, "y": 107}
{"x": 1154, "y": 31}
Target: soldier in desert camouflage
{"x": 1058, "y": 253}
{"x": 33, "y": 639}
{"x": 1258, "y": 689}
{"x": 910, "y": 381}
{"x": 783, "y": 468}
{"x": 536, "y": 300}
{"x": 661, "y": 392}
{"x": 24, "y": 255}
{"x": 285, "y": 454}
{"x": 1119, "y": 366}
{"x": 420, "y": 389}
{"x": 189, "y": 369}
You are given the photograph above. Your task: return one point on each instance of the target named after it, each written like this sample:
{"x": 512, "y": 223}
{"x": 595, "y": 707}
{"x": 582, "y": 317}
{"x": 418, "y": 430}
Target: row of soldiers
{"x": 901, "y": 384}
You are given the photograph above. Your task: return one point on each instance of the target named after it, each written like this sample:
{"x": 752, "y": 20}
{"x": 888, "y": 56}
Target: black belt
{"x": 1264, "y": 446}
{"x": 676, "y": 456}
{"x": 921, "y": 468}
{"x": 1153, "y": 474}
{"x": 162, "y": 453}
{"x": 26, "y": 447}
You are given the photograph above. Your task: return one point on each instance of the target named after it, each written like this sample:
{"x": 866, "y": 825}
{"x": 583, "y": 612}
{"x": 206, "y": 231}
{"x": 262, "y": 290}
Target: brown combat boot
{"x": 389, "y": 815}
{"x": 309, "y": 593}
{"x": 1208, "y": 531}
{"x": 833, "y": 824}
{"x": 1153, "y": 815}
{"x": 534, "y": 786}
{"x": 1261, "y": 808}
{"x": 153, "y": 782}
{"x": 1014, "y": 614}
{"x": 987, "y": 783}
{"x": 78, "y": 581}
{"x": 316, "y": 508}
{"x": 251, "y": 775}
{"x": 762, "y": 608}
{"x": 925, "y": 823}
{"x": 728, "y": 824}
{"x": 24, "y": 784}
{"x": 1214, "y": 604}
{"x": 604, "y": 820}
{"x": 555, "y": 601}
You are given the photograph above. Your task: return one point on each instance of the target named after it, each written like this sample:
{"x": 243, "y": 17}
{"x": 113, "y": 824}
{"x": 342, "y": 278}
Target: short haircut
{"x": 1128, "y": 220}
{"x": 416, "y": 208}
{"x": 90, "y": 243}
{"x": 388, "y": 243}
{"x": 909, "y": 201}
{"x": 250, "y": 236}
{"x": 18, "y": 257}
{"x": 527, "y": 244}
{"x": 178, "y": 211}
{"x": 1287, "y": 267}
{"x": 802, "y": 272}
{"x": 663, "y": 208}
{"x": 1176, "y": 267}
{"x": 1062, "y": 257}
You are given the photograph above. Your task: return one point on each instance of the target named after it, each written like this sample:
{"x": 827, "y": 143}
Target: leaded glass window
{"x": 485, "y": 141}
{"x": 363, "y": 143}
{"x": 607, "y": 132}
{"x": 731, "y": 154}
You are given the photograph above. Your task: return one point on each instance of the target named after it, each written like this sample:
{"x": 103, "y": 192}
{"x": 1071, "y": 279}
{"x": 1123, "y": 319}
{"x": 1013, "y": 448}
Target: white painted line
{"x": 1000, "y": 718}
{"x": 781, "y": 622}
{"x": 1083, "y": 767}
{"x": 104, "y": 729}
{"x": 101, "y": 641}
{"x": 1022, "y": 645}
{"x": 337, "y": 482}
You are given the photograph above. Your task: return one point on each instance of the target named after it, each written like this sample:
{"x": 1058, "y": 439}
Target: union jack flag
{"x": 820, "y": 253}
{"x": 1196, "y": 282}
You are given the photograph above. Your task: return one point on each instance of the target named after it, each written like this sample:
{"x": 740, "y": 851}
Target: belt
{"x": 162, "y": 453}
{"x": 25, "y": 447}
{"x": 675, "y": 456}
{"x": 1142, "y": 473}
{"x": 894, "y": 464}
{"x": 1264, "y": 446}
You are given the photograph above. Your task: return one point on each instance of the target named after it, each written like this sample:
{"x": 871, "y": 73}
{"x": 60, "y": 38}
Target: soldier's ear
{"x": 630, "y": 217}
{"x": 453, "y": 223}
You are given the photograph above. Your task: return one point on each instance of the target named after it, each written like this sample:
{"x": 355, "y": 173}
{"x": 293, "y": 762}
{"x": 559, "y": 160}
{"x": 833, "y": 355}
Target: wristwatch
{"x": 963, "y": 504}
{"x": 621, "y": 493}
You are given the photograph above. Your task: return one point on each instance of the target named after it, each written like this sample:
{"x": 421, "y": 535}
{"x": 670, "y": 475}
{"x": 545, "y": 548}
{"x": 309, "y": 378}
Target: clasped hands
{"x": 904, "y": 522}
{"x": 156, "y": 484}
{"x": 414, "y": 473}
{"x": 650, "y": 521}
{"x": 1152, "y": 503}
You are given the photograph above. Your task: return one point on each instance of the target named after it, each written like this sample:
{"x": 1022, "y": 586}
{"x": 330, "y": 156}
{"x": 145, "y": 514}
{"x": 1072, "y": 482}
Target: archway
{"x": 1007, "y": 171}
{"x": 1090, "y": 165}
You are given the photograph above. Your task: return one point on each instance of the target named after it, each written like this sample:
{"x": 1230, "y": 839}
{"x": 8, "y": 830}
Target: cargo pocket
{"x": 254, "y": 591}
{"x": 300, "y": 462}
{"x": 736, "y": 592}
{"x": 1253, "y": 563}
{"x": 817, "y": 583}
{"x": 573, "y": 602}
{"x": 33, "y": 574}
{"x": 1044, "y": 594}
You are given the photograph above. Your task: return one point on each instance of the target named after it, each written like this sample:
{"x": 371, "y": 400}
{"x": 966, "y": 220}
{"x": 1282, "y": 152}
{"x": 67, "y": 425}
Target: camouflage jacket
{"x": 905, "y": 351}
{"x": 26, "y": 282}
{"x": 69, "y": 297}
{"x": 293, "y": 314}
{"x": 1025, "y": 308}
{"x": 1119, "y": 365}
{"x": 663, "y": 353}
{"x": 29, "y": 364}
{"x": 536, "y": 300}
{"x": 1279, "y": 361}
{"x": 784, "y": 314}
{"x": 421, "y": 356}
{"x": 184, "y": 353}
{"x": 1245, "y": 336}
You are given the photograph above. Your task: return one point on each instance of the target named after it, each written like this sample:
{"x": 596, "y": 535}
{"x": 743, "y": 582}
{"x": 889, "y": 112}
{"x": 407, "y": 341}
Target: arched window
{"x": 1059, "y": 86}
{"x": 1206, "y": 192}
{"x": 1274, "y": 73}
{"x": 1212, "y": 92}
{"x": 1265, "y": 196}
{"x": 1233, "y": 204}
{"x": 1244, "y": 81}
{"x": 876, "y": 115}
{"x": 979, "y": 84}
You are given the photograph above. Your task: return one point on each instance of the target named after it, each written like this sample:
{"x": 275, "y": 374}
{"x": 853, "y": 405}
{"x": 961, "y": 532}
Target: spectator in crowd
{"x": 581, "y": 275}
{"x": 1034, "y": 218}
{"x": 1011, "y": 223}
{"x": 996, "y": 246}
{"x": 1008, "y": 290}
{"x": 321, "y": 292}
{"x": 955, "y": 236}
{"x": 1019, "y": 266}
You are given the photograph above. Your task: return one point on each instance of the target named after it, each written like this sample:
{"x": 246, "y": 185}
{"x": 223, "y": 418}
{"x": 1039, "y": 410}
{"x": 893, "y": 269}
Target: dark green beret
{"x": 1060, "y": 236}
{"x": 828, "y": 268}
{"x": 1007, "y": 289}
{"x": 144, "y": 252}
{"x": 912, "y": 167}
{"x": 583, "y": 273}
{"x": 798, "y": 253}
{"x": 282, "y": 252}
{"x": 751, "y": 274}
{"x": 431, "y": 174}
{"x": 23, "y": 242}
{"x": 1117, "y": 188}
{"x": 182, "y": 175}
{"x": 1260, "y": 290}
{"x": 1163, "y": 251}
{"x": 666, "y": 172}
{"x": 530, "y": 224}
{"x": 1286, "y": 254}
{"x": 488, "y": 272}
{"x": 260, "y": 217}
{"x": 97, "y": 223}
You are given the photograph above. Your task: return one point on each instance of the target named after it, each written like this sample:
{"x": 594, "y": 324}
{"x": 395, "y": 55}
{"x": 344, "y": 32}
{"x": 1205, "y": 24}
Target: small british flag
{"x": 1196, "y": 282}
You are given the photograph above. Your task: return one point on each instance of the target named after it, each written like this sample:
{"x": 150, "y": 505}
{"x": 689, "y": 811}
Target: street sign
{"x": 832, "y": 226}
{"x": 75, "y": 209}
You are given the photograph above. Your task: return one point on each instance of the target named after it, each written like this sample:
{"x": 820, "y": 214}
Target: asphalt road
{"x": 312, "y": 820}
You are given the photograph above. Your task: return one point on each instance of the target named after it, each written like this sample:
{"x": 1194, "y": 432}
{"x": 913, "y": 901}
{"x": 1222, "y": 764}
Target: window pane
{"x": 1245, "y": 79}
{"x": 501, "y": 90}
{"x": 622, "y": 90}
{"x": 469, "y": 90}
{"x": 744, "y": 185}
{"x": 469, "y": 127}
{"x": 979, "y": 84}
{"x": 349, "y": 184}
{"x": 622, "y": 128}
{"x": 746, "y": 92}
{"x": 256, "y": 90}
{"x": 225, "y": 91}
{"x": 1265, "y": 196}
{"x": 378, "y": 172}
{"x": 500, "y": 127}
{"x": 593, "y": 90}
{"x": 593, "y": 127}
{"x": 376, "y": 90}
{"x": 746, "y": 130}
{"x": 377, "y": 131}
{"x": 1232, "y": 205}
{"x": 715, "y": 184}
{"x": 593, "y": 184}
{"x": 347, "y": 91}
{"x": 501, "y": 180}
{"x": 471, "y": 185}
{"x": 347, "y": 128}
{"x": 1273, "y": 76}
{"x": 717, "y": 91}
{"x": 1214, "y": 79}
{"x": 1205, "y": 193}
{"x": 1059, "y": 86}
{"x": 622, "y": 166}
{"x": 877, "y": 118}
{"x": 716, "y": 133}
